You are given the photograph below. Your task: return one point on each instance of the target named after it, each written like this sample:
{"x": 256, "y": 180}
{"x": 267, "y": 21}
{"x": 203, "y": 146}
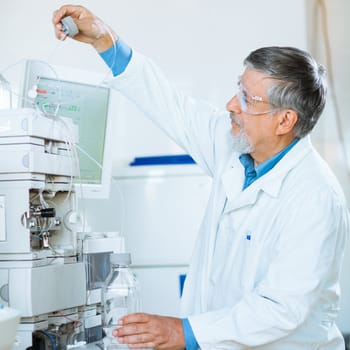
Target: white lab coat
{"x": 265, "y": 268}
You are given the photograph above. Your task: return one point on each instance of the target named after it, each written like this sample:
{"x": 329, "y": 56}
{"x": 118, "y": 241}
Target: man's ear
{"x": 286, "y": 121}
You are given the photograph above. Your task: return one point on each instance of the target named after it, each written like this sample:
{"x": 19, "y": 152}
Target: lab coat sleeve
{"x": 314, "y": 230}
{"x": 198, "y": 127}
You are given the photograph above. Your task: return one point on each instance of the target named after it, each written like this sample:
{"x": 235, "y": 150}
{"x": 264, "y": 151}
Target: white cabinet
{"x": 160, "y": 213}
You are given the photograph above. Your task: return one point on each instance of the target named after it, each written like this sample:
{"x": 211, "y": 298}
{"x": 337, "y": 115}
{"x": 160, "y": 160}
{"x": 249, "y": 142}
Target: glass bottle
{"x": 120, "y": 296}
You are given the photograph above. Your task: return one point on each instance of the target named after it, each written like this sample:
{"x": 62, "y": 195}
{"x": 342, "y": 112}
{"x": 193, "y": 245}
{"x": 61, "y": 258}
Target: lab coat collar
{"x": 270, "y": 183}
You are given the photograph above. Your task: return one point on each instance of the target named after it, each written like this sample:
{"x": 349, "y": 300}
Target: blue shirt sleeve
{"x": 117, "y": 57}
{"x": 190, "y": 339}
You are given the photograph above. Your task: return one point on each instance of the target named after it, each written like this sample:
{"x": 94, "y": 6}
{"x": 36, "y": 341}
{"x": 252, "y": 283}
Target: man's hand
{"x": 92, "y": 30}
{"x": 150, "y": 331}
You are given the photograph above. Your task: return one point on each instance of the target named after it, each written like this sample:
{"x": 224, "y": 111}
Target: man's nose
{"x": 233, "y": 105}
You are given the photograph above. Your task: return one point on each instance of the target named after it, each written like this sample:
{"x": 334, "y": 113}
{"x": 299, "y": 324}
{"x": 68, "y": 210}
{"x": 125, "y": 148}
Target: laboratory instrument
{"x": 69, "y": 27}
{"x": 78, "y": 95}
{"x": 120, "y": 296}
{"x": 51, "y": 267}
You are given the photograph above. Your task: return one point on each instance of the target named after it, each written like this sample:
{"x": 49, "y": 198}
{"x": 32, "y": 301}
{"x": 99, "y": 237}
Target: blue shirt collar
{"x": 253, "y": 173}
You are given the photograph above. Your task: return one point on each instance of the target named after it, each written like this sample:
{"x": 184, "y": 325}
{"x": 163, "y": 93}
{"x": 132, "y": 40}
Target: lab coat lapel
{"x": 233, "y": 178}
{"x": 244, "y": 198}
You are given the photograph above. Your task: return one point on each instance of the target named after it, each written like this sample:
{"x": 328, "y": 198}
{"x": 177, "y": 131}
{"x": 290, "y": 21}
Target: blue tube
{"x": 51, "y": 337}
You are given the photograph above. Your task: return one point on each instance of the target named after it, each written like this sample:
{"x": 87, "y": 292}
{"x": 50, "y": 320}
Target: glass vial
{"x": 120, "y": 296}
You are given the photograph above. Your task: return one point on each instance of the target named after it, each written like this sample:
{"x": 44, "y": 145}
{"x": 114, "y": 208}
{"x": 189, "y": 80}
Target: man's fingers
{"x": 142, "y": 338}
{"x": 62, "y": 12}
{"x": 132, "y": 328}
{"x": 59, "y": 14}
{"x": 75, "y": 12}
{"x": 142, "y": 345}
{"x": 138, "y": 317}
{"x": 142, "y": 330}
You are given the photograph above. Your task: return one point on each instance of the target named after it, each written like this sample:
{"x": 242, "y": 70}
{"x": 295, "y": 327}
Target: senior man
{"x": 266, "y": 264}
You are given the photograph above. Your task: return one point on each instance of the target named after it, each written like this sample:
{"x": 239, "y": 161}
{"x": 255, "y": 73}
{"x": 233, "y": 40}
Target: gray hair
{"x": 300, "y": 83}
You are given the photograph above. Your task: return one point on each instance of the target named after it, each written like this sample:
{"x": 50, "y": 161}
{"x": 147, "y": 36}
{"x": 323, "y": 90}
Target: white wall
{"x": 200, "y": 44}
{"x": 330, "y": 19}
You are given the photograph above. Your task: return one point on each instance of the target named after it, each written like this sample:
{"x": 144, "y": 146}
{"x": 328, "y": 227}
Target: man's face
{"x": 252, "y": 117}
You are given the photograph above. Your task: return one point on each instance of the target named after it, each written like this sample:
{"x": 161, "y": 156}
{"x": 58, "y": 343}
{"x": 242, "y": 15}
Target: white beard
{"x": 241, "y": 143}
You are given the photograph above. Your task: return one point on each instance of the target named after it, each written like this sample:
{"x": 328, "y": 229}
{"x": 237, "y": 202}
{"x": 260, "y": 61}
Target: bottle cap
{"x": 120, "y": 258}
